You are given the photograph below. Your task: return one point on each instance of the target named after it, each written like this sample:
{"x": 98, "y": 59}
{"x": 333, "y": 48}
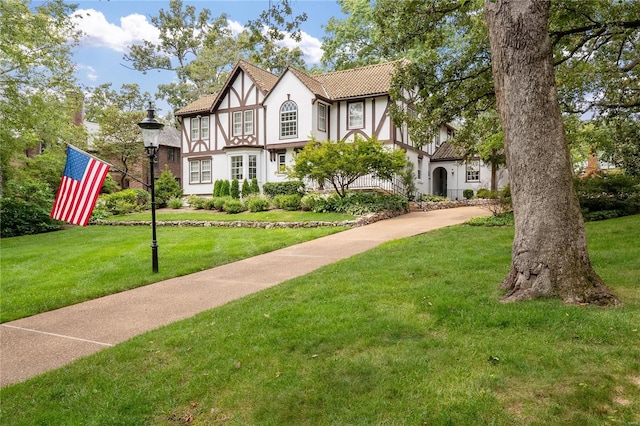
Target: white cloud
{"x": 135, "y": 28}
{"x": 89, "y": 72}
{"x": 97, "y": 31}
{"x": 311, "y": 47}
{"x": 235, "y": 27}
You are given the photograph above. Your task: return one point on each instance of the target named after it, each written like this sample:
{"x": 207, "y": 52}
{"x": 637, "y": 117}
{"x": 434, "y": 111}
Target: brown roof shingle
{"x": 202, "y": 104}
{"x": 446, "y": 151}
{"x": 358, "y": 82}
{"x": 264, "y": 79}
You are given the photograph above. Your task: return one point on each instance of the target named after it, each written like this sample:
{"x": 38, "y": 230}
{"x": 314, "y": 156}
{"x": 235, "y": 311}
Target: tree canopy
{"x": 595, "y": 50}
{"x": 340, "y": 163}
{"x": 595, "y": 58}
{"x": 38, "y": 97}
{"x": 201, "y": 50}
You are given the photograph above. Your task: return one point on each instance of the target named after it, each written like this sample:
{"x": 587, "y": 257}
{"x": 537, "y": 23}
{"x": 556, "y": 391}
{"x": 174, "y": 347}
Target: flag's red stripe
{"x": 75, "y": 200}
{"x": 89, "y": 191}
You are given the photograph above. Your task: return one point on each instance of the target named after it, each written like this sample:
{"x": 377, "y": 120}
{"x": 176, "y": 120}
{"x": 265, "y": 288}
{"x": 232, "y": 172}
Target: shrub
{"x": 246, "y": 188}
{"x": 468, "y": 194}
{"x": 109, "y": 186}
{"x": 217, "y": 188}
{"x": 218, "y": 202}
{"x": 196, "y": 202}
{"x": 255, "y": 189}
{"x": 355, "y": 203}
{"x": 175, "y": 203}
{"x": 25, "y": 208}
{"x": 433, "y": 198}
{"x": 209, "y": 204}
{"x": 167, "y": 187}
{"x": 289, "y": 202}
{"x": 257, "y": 203}
{"x": 293, "y": 187}
{"x": 485, "y": 193}
{"x": 316, "y": 203}
{"x": 233, "y": 206}
{"x": 126, "y": 201}
{"x": 608, "y": 195}
{"x": 225, "y": 189}
{"x": 234, "y": 190}
{"x": 359, "y": 203}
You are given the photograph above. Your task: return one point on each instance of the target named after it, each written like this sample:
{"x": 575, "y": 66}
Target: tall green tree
{"x": 353, "y": 41}
{"x": 594, "y": 48}
{"x": 119, "y": 140}
{"x": 340, "y": 163}
{"x": 200, "y": 51}
{"x": 549, "y": 256}
{"x": 263, "y": 37}
{"x": 38, "y": 97}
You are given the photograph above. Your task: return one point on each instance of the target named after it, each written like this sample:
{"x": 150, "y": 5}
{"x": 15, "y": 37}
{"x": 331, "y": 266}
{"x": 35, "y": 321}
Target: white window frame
{"x": 419, "y": 176}
{"x": 237, "y": 167}
{"x": 248, "y": 122}
{"x": 195, "y": 128}
{"x": 253, "y": 166}
{"x": 204, "y": 128}
{"x": 282, "y": 163}
{"x": 473, "y": 171}
{"x": 236, "y": 124}
{"x": 288, "y": 120}
{"x": 200, "y": 171}
{"x": 356, "y": 118}
{"x": 322, "y": 117}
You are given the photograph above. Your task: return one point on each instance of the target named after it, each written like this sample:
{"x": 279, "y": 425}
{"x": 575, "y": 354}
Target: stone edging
{"x": 440, "y": 205}
{"x": 361, "y": 221}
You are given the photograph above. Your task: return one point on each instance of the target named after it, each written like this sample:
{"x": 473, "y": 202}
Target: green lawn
{"x": 409, "y": 333}
{"x": 47, "y": 271}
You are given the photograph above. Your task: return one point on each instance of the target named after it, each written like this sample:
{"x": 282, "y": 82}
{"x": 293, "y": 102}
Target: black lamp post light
{"x": 150, "y": 136}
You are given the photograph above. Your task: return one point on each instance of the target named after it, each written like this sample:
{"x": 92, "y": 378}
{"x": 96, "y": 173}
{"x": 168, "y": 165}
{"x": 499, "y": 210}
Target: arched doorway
{"x": 440, "y": 181}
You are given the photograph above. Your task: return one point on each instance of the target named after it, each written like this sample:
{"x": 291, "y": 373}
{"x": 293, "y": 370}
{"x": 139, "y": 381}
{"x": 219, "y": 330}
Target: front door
{"x": 440, "y": 181}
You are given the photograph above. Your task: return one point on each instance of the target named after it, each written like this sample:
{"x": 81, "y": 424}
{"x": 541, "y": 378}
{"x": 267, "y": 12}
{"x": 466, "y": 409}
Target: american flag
{"x": 79, "y": 188}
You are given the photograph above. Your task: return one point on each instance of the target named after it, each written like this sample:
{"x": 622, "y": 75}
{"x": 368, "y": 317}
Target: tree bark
{"x": 549, "y": 254}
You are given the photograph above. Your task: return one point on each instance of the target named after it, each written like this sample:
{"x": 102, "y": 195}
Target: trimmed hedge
{"x": 293, "y": 187}
{"x": 606, "y": 196}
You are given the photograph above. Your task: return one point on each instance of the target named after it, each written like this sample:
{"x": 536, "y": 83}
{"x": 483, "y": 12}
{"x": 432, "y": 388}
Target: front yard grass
{"x": 409, "y": 333}
{"x": 48, "y": 271}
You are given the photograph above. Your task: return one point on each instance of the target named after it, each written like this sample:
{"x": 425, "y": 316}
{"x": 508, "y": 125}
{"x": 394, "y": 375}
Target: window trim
{"x": 282, "y": 165}
{"x": 236, "y": 171}
{"x": 195, "y": 128}
{"x": 249, "y": 121}
{"x": 252, "y": 166}
{"x": 350, "y": 124}
{"x": 236, "y": 123}
{"x": 322, "y": 119}
{"x": 472, "y": 168}
{"x": 205, "y": 121}
{"x": 200, "y": 171}
{"x": 292, "y": 124}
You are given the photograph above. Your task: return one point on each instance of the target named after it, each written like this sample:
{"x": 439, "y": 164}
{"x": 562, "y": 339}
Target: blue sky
{"x": 110, "y": 26}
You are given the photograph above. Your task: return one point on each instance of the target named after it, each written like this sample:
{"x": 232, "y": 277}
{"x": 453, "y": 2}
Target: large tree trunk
{"x": 549, "y": 255}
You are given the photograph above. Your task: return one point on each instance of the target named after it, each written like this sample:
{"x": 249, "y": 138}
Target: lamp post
{"x": 150, "y": 136}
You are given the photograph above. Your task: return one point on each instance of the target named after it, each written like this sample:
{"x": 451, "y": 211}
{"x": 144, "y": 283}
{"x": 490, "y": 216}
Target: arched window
{"x": 289, "y": 120}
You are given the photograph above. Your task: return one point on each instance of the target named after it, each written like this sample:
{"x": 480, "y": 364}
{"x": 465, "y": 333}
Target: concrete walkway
{"x": 46, "y": 341}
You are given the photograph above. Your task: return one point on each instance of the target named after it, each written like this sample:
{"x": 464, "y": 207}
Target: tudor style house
{"x": 254, "y": 125}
